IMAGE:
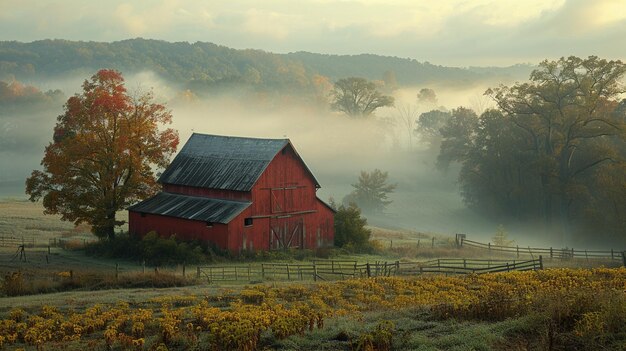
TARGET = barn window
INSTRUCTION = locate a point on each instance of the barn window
(209, 224)
(247, 222)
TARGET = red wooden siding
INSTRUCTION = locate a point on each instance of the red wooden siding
(285, 212)
(141, 224)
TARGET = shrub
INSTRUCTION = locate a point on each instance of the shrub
(350, 228)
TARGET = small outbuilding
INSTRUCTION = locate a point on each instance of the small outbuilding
(238, 194)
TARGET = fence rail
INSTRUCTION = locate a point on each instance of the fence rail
(562, 253)
(333, 270)
(16, 241)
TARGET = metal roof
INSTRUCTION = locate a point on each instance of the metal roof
(191, 207)
(222, 162)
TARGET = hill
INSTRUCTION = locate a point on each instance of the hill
(205, 65)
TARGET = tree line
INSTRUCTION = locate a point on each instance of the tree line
(553, 150)
(204, 66)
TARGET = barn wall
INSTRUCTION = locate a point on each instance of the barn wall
(214, 193)
(285, 171)
(183, 228)
(248, 238)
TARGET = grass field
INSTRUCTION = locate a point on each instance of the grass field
(556, 309)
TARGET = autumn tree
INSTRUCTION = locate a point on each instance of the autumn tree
(358, 97)
(106, 147)
(371, 191)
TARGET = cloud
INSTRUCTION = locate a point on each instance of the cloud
(458, 32)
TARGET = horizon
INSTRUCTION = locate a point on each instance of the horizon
(483, 33)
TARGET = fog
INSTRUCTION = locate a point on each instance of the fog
(336, 148)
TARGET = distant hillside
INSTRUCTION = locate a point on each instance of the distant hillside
(208, 66)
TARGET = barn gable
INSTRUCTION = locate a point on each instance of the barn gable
(222, 162)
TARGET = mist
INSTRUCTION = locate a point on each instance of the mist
(335, 147)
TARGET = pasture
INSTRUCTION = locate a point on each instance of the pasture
(110, 304)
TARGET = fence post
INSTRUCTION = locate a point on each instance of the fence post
(551, 252)
(314, 272)
(262, 271)
(433, 244)
(197, 271)
(489, 244)
(540, 262)
(572, 252)
(288, 275)
(183, 269)
(517, 251)
(418, 243)
(397, 268)
(49, 250)
(390, 243)
(611, 254)
(464, 263)
(369, 270)
(624, 258)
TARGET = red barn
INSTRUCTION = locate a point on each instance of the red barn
(239, 194)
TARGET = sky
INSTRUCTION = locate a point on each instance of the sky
(445, 32)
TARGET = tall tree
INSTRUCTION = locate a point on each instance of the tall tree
(358, 97)
(371, 191)
(566, 110)
(106, 147)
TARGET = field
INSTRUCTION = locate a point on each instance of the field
(105, 304)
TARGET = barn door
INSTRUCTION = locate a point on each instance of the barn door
(286, 233)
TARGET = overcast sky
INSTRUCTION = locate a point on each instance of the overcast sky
(447, 32)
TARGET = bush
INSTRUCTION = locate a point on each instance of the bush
(153, 249)
(350, 228)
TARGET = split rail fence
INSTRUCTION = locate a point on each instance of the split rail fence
(552, 253)
(335, 270)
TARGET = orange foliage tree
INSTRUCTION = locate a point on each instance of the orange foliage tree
(106, 147)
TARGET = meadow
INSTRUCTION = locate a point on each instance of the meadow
(66, 300)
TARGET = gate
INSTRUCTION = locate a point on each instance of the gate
(287, 232)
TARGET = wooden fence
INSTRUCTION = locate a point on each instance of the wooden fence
(551, 252)
(16, 241)
(334, 270)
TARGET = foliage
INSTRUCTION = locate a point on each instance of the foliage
(501, 237)
(427, 96)
(358, 97)
(350, 227)
(554, 149)
(371, 192)
(102, 159)
(152, 248)
(429, 126)
(551, 309)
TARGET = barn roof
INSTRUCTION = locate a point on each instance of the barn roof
(191, 207)
(223, 162)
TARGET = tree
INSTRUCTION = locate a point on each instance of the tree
(427, 97)
(371, 192)
(406, 114)
(350, 227)
(429, 126)
(358, 97)
(106, 147)
(457, 136)
(566, 112)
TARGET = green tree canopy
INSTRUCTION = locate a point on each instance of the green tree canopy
(350, 227)
(371, 192)
(358, 97)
